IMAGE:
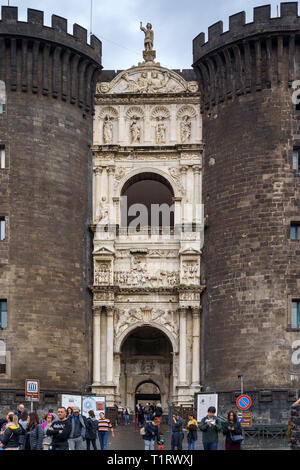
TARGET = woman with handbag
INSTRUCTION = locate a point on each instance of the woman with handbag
(233, 432)
(192, 428)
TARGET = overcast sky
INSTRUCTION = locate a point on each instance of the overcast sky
(116, 23)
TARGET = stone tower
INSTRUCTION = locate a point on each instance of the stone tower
(251, 198)
(48, 79)
(147, 148)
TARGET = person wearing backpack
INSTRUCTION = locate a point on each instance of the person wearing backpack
(36, 432)
(23, 423)
(9, 438)
(91, 430)
(192, 428)
(232, 429)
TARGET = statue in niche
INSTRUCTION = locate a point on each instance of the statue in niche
(185, 129)
(160, 131)
(103, 211)
(135, 131)
(107, 130)
(149, 36)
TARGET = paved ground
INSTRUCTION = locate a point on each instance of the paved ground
(127, 438)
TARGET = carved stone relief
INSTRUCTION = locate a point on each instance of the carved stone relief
(126, 317)
(102, 273)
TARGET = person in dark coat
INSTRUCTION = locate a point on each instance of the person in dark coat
(36, 432)
(151, 434)
(192, 428)
(10, 438)
(91, 430)
(19, 411)
(232, 428)
(177, 433)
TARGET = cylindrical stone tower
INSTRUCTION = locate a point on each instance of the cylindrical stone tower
(45, 200)
(251, 197)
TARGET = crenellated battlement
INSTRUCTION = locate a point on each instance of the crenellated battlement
(249, 57)
(57, 33)
(47, 60)
(239, 29)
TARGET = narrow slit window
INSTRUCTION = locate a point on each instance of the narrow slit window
(3, 313)
(2, 228)
(296, 160)
(2, 357)
(295, 231)
(296, 314)
(2, 158)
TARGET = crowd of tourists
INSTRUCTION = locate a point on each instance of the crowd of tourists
(149, 420)
(66, 430)
(70, 430)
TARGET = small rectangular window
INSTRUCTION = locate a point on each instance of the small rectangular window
(296, 160)
(2, 158)
(295, 231)
(296, 314)
(2, 228)
(2, 357)
(3, 313)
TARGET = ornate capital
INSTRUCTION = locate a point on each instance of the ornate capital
(197, 169)
(97, 309)
(98, 170)
(184, 169)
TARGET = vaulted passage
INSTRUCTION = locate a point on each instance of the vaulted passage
(146, 367)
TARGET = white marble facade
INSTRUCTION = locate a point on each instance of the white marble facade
(147, 121)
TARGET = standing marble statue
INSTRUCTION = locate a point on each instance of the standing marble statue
(185, 129)
(107, 130)
(149, 36)
(135, 131)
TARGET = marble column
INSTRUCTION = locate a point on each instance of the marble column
(96, 345)
(197, 189)
(111, 215)
(182, 346)
(96, 191)
(196, 346)
(109, 345)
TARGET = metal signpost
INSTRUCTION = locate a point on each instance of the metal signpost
(32, 391)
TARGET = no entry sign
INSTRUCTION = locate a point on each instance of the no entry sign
(244, 402)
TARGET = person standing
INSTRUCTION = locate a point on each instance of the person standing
(36, 432)
(233, 432)
(47, 440)
(210, 427)
(147, 412)
(177, 433)
(23, 423)
(19, 411)
(126, 413)
(10, 437)
(140, 416)
(70, 412)
(91, 430)
(151, 434)
(60, 430)
(192, 436)
(158, 411)
(104, 425)
(78, 430)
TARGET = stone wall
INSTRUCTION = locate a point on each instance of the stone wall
(46, 128)
(251, 195)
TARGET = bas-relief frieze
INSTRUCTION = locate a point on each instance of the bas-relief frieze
(128, 316)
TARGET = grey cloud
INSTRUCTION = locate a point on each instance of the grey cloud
(116, 23)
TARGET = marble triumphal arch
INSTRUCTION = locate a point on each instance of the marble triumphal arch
(147, 224)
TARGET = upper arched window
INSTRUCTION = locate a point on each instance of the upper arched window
(149, 202)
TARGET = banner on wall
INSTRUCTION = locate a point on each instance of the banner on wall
(96, 404)
(204, 401)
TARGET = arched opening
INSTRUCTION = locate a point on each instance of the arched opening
(149, 202)
(146, 367)
(147, 391)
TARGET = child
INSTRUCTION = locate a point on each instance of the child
(161, 442)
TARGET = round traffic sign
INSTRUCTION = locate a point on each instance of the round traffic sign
(244, 402)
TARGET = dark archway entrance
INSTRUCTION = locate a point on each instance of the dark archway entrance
(147, 391)
(146, 361)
